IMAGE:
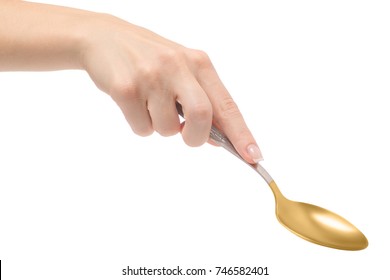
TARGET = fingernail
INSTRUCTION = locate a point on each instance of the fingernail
(254, 153)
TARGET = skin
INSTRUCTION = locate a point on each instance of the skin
(144, 73)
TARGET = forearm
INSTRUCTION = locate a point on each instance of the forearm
(40, 37)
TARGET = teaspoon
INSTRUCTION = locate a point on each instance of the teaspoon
(308, 221)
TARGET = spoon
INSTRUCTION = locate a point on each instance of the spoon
(308, 221)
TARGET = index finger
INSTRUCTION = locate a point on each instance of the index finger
(227, 116)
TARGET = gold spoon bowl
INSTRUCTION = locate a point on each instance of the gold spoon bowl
(317, 225)
(310, 222)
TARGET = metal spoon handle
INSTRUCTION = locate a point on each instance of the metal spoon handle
(222, 140)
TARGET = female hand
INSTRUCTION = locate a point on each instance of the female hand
(144, 73)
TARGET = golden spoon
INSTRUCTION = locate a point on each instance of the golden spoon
(310, 222)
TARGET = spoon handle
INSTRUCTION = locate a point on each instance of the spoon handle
(222, 140)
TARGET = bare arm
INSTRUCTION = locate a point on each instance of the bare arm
(40, 37)
(143, 72)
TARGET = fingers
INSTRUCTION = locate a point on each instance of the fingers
(136, 114)
(162, 110)
(133, 105)
(146, 74)
(230, 120)
(197, 110)
(153, 108)
(227, 116)
(204, 101)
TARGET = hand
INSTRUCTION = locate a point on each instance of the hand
(146, 74)
(143, 72)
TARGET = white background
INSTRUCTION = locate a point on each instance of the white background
(81, 197)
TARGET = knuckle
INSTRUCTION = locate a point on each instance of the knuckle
(229, 109)
(195, 140)
(168, 60)
(154, 72)
(166, 132)
(191, 143)
(149, 73)
(168, 56)
(200, 113)
(143, 131)
(123, 90)
(200, 58)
